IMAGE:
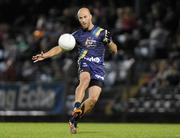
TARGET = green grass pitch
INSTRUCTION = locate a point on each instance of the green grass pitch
(89, 130)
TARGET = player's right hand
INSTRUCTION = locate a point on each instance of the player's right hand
(38, 57)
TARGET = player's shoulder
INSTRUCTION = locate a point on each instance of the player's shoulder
(101, 28)
(98, 28)
(101, 32)
(97, 31)
(76, 32)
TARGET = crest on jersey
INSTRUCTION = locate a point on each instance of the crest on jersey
(90, 42)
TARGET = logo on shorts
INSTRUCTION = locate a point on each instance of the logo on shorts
(84, 64)
(99, 77)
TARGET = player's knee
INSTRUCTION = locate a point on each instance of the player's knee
(84, 81)
(84, 78)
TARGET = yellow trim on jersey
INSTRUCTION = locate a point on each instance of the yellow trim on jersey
(84, 53)
(98, 31)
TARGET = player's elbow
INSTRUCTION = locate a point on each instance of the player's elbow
(113, 47)
(115, 51)
(57, 50)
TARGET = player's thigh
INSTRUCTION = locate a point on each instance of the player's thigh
(84, 77)
(94, 92)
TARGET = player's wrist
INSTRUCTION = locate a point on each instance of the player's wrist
(45, 55)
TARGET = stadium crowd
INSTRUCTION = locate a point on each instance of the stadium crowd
(148, 40)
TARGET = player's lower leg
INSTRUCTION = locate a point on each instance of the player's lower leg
(79, 95)
(80, 92)
(87, 106)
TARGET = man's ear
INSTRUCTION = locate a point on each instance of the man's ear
(90, 16)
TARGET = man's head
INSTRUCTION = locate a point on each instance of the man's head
(85, 18)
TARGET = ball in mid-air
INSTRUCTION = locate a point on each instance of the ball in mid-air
(67, 41)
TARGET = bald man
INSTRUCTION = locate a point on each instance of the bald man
(91, 43)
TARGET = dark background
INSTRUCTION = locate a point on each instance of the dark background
(142, 82)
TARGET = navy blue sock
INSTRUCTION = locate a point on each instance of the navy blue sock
(72, 119)
(77, 105)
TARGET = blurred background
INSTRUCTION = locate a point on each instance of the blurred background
(142, 83)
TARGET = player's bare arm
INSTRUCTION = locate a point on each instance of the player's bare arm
(113, 47)
(52, 52)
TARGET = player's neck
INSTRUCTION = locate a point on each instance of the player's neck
(90, 27)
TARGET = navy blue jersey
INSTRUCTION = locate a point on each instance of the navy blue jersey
(91, 48)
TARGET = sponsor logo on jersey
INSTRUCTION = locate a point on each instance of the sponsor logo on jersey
(93, 59)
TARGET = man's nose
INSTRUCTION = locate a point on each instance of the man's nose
(83, 20)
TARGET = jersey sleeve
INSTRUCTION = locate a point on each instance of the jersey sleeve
(76, 35)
